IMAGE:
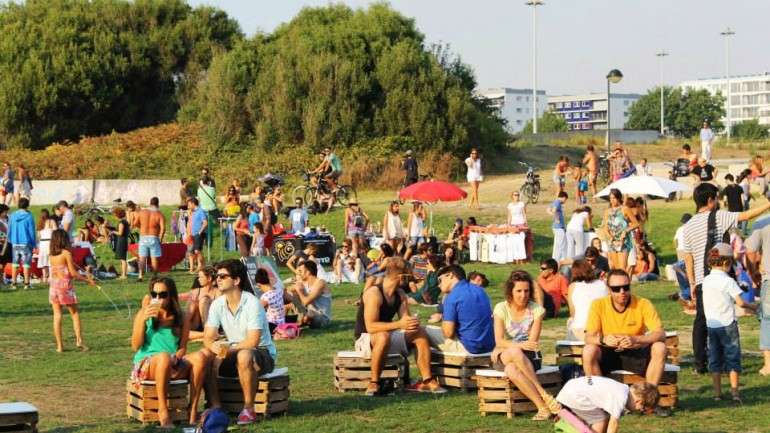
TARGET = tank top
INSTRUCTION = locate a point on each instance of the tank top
(395, 226)
(161, 340)
(583, 294)
(386, 314)
(356, 222)
(415, 231)
(517, 217)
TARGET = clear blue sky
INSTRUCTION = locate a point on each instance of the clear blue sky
(578, 40)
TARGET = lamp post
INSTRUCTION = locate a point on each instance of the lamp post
(661, 55)
(727, 33)
(613, 77)
(534, 4)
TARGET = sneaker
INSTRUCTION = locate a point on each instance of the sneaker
(26, 287)
(372, 389)
(247, 416)
(430, 386)
(662, 412)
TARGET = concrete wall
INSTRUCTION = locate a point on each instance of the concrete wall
(626, 136)
(104, 191)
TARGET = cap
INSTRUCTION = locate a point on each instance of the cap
(723, 249)
(408, 152)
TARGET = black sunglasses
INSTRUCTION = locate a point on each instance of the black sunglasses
(543, 269)
(161, 295)
(223, 276)
(624, 287)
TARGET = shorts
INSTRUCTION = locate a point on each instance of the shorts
(198, 242)
(633, 360)
(414, 241)
(535, 358)
(559, 180)
(141, 370)
(149, 246)
(22, 255)
(583, 186)
(261, 357)
(591, 417)
(724, 349)
(397, 344)
(334, 175)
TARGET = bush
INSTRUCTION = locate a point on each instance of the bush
(750, 130)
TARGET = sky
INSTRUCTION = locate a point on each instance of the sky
(579, 41)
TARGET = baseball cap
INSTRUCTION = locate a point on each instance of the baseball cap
(723, 249)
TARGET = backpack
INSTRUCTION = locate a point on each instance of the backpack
(358, 221)
(286, 331)
(712, 238)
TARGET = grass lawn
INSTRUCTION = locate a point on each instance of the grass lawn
(84, 392)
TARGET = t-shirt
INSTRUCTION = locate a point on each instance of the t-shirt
(254, 218)
(68, 218)
(468, 306)
(719, 292)
(556, 287)
(198, 216)
(679, 238)
(734, 194)
(298, 218)
(695, 236)
(596, 395)
(639, 317)
(275, 312)
(705, 173)
(756, 243)
(249, 316)
(577, 222)
(518, 330)
(601, 265)
(558, 214)
(410, 166)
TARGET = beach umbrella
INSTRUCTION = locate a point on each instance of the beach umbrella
(432, 191)
(645, 185)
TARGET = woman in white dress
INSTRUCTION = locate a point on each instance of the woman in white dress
(517, 217)
(393, 227)
(415, 226)
(585, 287)
(46, 225)
(474, 177)
(576, 227)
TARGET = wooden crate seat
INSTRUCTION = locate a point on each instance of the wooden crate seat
(497, 394)
(142, 400)
(571, 352)
(668, 387)
(18, 417)
(271, 398)
(353, 371)
(456, 369)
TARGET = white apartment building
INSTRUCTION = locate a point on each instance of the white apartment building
(589, 111)
(515, 105)
(749, 99)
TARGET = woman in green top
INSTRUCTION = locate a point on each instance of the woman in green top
(518, 321)
(159, 338)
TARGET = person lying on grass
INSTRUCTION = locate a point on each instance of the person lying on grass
(159, 338)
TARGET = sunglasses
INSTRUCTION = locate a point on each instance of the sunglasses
(161, 295)
(624, 287)
(223, 276)
(543, 269)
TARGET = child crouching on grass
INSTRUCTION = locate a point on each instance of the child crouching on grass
(720, 295)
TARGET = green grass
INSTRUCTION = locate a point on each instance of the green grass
(83, 392)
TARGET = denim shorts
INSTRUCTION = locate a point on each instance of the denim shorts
(724, 349)
(149, 246)
(22, 255)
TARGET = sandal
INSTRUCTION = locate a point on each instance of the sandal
(554, 407)
(542, 415)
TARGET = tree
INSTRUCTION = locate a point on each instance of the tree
(70, 68)
(347, 78)
(750, 130)
(685, 111)
(549, 122)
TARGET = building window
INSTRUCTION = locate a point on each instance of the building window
(568, 116)
(567, 105)
(625, 114)
(625, 102)
(518, 122)
(518, 110)
(518, 98)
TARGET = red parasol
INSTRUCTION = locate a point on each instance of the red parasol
(432, 191)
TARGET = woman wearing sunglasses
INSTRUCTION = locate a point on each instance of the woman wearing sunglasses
(159, 337)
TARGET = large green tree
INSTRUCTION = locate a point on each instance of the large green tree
(343, 77)
(548, 122)
(685, 111)
(70, 68)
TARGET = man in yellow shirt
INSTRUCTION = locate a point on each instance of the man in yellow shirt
(624, 332)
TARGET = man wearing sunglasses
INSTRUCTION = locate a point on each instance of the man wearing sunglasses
(249, 350)
(624, 332)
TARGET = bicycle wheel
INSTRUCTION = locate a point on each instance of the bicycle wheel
(299, 192)
(525, 192)
(311, 195)
(345, 194)
(535, 194)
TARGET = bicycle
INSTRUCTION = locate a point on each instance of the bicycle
(92, 209)
(312, 191)
(531, 187)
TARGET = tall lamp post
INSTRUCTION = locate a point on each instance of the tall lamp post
(727, 33)
(534, 4)
(613, 77)
(661, 55)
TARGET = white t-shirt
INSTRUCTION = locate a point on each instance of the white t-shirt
(577, 222)
(596, 395)
(583, 294)
(679, 238)
(68, 218)
(719, 292)
(516, 214)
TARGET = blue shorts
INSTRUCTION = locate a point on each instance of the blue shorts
(724, 349)
(22, 255)
(149, 246)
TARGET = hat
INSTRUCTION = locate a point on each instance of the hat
(409, 152)
(723, 249)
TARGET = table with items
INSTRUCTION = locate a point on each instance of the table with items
(500, 244)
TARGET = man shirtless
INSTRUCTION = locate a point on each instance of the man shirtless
(152, 227)
(591, 163)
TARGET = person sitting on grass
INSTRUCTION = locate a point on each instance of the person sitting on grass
(466, 325)
(624, 332)
(720, 295)
(518, 322)
(376, 267)
(584, 289)
(378, 335)
(426, 291)
(553, 287)
(272, 298)
(248, 351)
(203, 292)
(311, 297)
(600, 402)
(347, 265)
(159, 338)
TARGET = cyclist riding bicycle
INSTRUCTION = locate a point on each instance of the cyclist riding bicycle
(330, 168)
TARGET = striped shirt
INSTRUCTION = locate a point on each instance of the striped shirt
(695, 236)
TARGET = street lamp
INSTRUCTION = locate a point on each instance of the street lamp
(727, 33)
(534, 4)
(614, 77)
(661, 55)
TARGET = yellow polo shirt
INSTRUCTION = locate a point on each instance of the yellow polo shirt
(639, 317)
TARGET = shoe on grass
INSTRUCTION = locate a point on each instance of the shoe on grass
(372, 389)
(431, 385)
(247, 416)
